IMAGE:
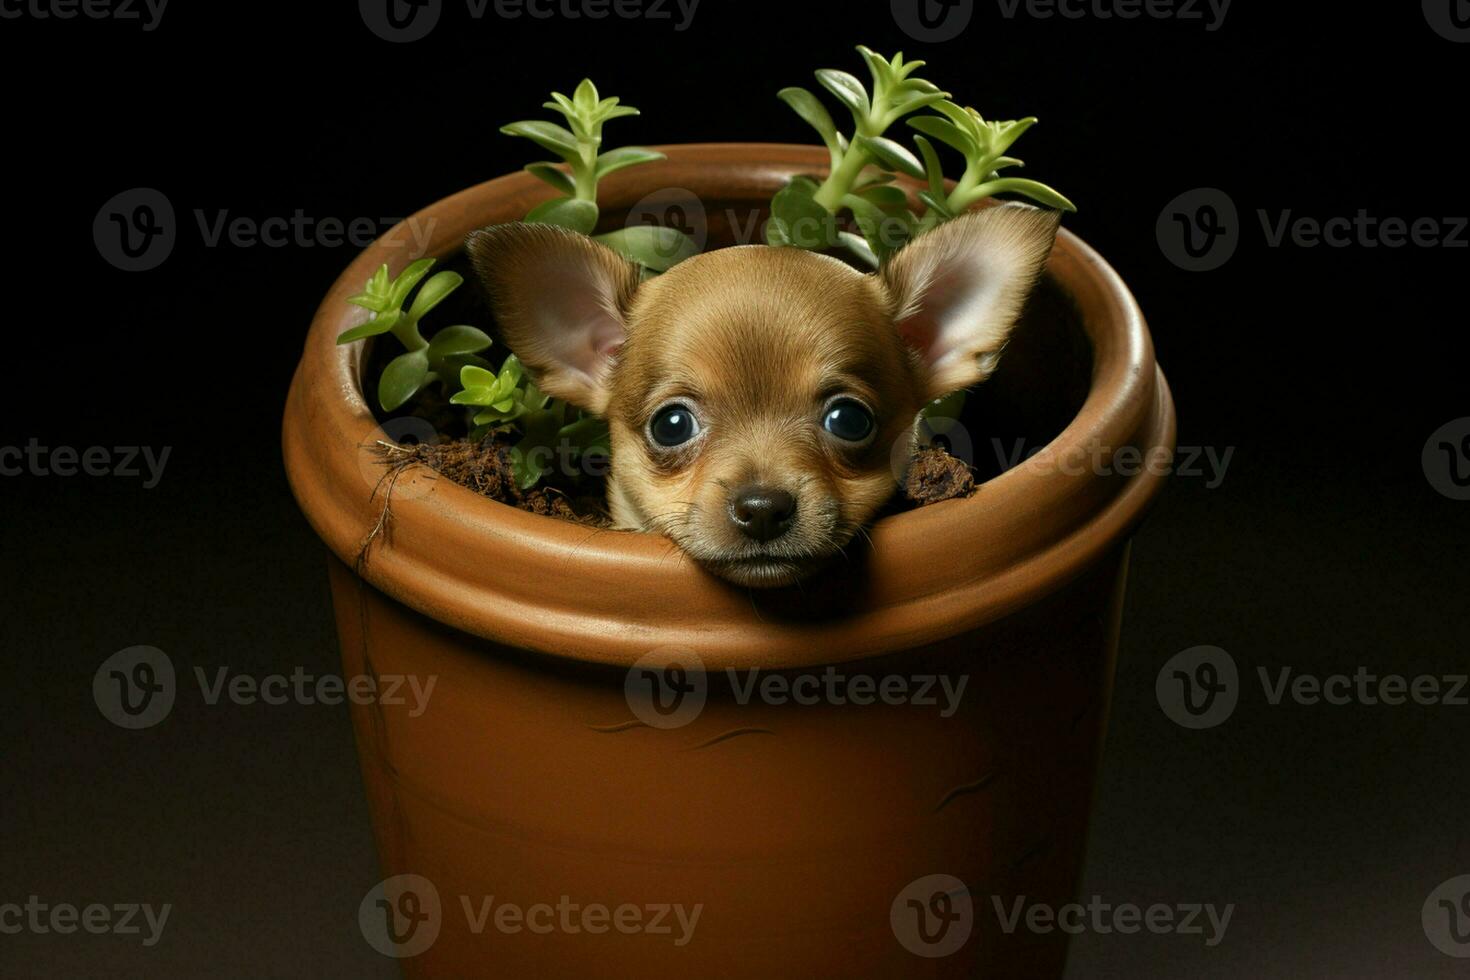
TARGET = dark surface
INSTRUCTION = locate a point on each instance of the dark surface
(1325, 369)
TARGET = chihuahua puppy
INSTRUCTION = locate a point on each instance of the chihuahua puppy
(756, 396)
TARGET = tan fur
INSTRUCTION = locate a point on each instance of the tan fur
(1017, 240)
(516, 263)
(756, 340)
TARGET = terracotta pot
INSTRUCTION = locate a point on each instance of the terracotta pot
(799, 829)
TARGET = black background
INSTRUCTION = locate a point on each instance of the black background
(1325, 369)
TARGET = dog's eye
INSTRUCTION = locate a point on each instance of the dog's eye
(848, 420)
(673, 425)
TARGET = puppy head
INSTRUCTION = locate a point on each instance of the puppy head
(755, 395)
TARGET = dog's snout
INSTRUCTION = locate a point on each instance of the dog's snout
(763, 513)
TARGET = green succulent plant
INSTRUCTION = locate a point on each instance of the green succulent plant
(510, 401)
(505, 400)
(583, 164)
(424, 362)
(805, 212)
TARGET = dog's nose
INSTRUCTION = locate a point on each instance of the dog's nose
(763, 513)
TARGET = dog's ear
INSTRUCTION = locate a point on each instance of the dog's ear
(958, 290)
(560, 300)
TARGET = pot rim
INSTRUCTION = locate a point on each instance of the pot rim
(612, 597)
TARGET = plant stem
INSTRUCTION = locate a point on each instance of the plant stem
(585, 176)
(407, 332)
(961, 197)
(840, 181)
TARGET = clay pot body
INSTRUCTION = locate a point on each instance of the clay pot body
(798, 825)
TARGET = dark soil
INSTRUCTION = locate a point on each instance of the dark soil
(485, 467)
(935, 475)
